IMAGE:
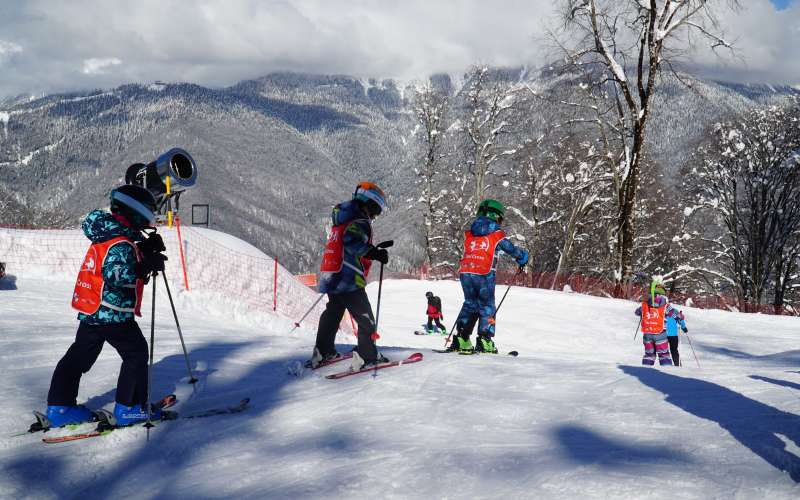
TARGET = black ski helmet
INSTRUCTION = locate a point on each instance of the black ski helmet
(135, 203)
(429, 294)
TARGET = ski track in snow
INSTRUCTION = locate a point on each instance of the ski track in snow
(575, 416)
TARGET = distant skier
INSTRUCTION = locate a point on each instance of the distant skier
(344, 270)
(672, 335)
(108, 293)
(653, 312)
(434, 313)
(477, 276)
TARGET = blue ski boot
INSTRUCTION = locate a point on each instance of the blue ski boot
(59, 416)
(129, 415)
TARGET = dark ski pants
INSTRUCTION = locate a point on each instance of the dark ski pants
(438, 324)
(357, 304)
(673, 349)
(129, 342)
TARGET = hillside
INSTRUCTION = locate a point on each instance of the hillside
(575, 416)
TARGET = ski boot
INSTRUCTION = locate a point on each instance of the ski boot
(485, 345)
(317, 358)
(59, 416)
(129, 415)
(358, 363)
(461, 344)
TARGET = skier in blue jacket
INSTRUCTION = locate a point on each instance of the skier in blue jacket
(477, 276)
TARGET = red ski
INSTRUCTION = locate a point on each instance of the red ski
(417, 356)
(323, 364)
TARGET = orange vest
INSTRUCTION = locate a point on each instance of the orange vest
(653, 318)
(88, 295)
(333, 255)
(479, 252)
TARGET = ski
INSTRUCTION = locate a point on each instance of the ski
(421, 332)
(42, 424)
(470, 353)
(417, 356)
(329, 362)
(102, 430)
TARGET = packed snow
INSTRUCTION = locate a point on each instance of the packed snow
(574, 416)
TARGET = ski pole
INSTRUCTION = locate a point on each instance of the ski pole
(376, 336)
(507, 290)
(297, 324)
(450, 335)
(192, 379)
(383, 244)
(637, 329)
(149, 424)
(690, 345)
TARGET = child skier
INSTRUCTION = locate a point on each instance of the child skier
(108, 293)
(477, 276)
(344, 270)
(434, 313)
(653, 312)
(672, 336)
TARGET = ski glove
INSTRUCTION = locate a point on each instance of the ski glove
(151, 263)
(153, 244)
(523, 259)
(683, 327)
(379, 254)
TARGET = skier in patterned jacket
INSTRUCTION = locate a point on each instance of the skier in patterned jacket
(346, 262)
(477, 276)
(653, 312)
(108, 295)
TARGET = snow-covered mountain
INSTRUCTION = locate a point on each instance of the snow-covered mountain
(574, 416)
(274, 153)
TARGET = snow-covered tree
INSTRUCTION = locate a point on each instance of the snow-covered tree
(622, 46)
(746, 181)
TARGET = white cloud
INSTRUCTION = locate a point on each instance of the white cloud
(68, 45)
(8, 48)
(99, 66)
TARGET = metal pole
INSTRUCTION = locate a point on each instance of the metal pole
(149, 424)
(192, 379)
(690, 345)
(297, 324)
(637, 328)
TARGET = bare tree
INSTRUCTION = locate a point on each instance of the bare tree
(623, 45)
(430, 108)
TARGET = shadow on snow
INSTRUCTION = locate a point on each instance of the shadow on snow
(170, 449)
(752, 423)
(585, 447)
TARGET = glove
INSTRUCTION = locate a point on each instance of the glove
(523, 259)
(684, 329)
(151, 263)
(153, 244)
(379, 254)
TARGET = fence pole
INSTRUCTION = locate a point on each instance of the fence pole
(180, 247)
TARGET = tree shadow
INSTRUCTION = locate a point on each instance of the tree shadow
(9, 282)
(584, 446)
(175, 445)
(784, 383)
(752, 423)
(778, 358)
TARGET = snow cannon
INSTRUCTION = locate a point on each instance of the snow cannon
(167, 177)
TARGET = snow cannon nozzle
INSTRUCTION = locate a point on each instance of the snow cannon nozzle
(385, 244)
(167, 177)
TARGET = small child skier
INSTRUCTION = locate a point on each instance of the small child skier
(653, 312)
(108, 296)
(434, 313)
(672, 336)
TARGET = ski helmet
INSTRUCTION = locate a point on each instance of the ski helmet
(656, 288)
(136, 203)
(372, 196)
(492, 209)
(429, 294)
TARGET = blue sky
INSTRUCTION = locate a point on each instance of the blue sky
(781, 4)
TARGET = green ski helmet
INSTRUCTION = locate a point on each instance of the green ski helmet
(656, 287)
(492, 209)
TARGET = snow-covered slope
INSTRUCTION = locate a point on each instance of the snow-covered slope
(575, 416)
